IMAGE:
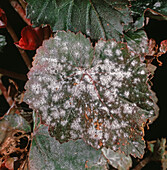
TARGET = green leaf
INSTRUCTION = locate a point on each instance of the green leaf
(95, 18)
(2, 42)
(47, 153)
(117, 159)
(137, 41)
(99, 94)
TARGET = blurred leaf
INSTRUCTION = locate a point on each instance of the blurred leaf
(151, 68)
(137, 41)
(95, 18)
(160, 6)
(99, 94)
(16, 121)
(14, 140)
(148, 8)
(157, 149)
(47, 153)
(117, 159)
(3, 19)
(2, 42)
(138, 23)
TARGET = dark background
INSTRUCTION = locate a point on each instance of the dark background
(10, 59)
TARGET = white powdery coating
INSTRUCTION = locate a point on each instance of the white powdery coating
(76, 124)
(134, 63)
(36, 88)
(118, 52)
(126, 94)
(94, 133)
(142, 72)
(64, 122)
(108, 52)
(128, 109)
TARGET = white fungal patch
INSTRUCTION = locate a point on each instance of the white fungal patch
(73, 135)
(126, 94)
(55, 114)
(113, 44)
(108, 52)
(107, 61)
(136, 80)
(62, 112)
(157, 4)
(100, 45)
(63, 123)
(105, 109)
(55, 97)
(94, 133)
(115, 125)
(48, 120)
(142, 72)
(36, 88)
(125, 135)
(118, 52)
(62, 137)
(149, 103)
(114, 147)
(134, 63)
(76, 124)
(128, 109)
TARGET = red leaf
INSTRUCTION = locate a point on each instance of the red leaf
(20, 11)
(163, 46)
(3, 19)
(32, 38)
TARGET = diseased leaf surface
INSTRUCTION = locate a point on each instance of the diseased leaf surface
(47, 153)
(99, 94)
(137, 41)
(95, 18)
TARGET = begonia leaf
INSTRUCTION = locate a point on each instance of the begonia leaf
(95, 18)
(47, 153)
(137, 41)
(32, 38)
(117, 159)
(96, 93)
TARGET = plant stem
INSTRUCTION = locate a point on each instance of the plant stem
(22, 52)
(23, 4)
(13, 74)
(5, 94)
(143, 163)
(20, 10)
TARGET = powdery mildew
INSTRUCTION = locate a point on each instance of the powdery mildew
(98, 94)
